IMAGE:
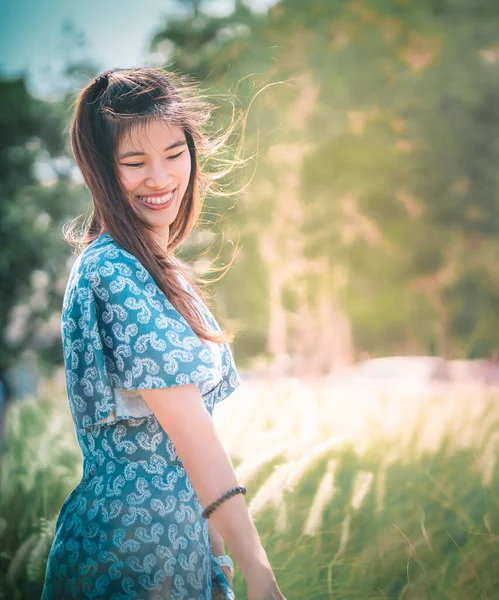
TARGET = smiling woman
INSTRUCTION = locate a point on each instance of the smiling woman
(146, 363)
(137, 135)
(154, 167)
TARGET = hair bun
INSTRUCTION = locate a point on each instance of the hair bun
(99, 84)
(102, 79)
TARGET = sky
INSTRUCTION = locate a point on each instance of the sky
(116, 32)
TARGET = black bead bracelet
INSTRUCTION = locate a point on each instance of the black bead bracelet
(237, 490)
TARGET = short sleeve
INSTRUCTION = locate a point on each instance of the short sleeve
(121, 334)
(146, 342)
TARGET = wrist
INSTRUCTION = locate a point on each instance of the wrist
(258, 570)
(264, 589)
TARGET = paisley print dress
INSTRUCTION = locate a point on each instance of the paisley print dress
(132, 528)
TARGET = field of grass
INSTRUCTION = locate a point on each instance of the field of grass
(355, 495)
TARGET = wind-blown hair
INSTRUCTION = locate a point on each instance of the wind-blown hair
(105, 111)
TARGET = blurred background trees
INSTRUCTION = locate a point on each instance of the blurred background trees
(36, 198)
(374, 201)
(369, 222)
(40, 190)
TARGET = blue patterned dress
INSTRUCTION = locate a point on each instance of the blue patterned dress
(132, 528)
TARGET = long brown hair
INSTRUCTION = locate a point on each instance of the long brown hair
(107, 109)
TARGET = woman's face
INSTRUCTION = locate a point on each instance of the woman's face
(154, 166)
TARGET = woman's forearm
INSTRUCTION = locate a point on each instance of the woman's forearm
(211, 473)
(183, 415)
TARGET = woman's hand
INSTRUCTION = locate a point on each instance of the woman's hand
(263, 589)
(268, 595)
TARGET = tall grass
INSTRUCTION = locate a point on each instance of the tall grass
(394, 498)
(40, 463)
(355, 495)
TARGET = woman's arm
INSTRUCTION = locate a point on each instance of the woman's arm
(218, 548)
(183, 415)
(217, 542)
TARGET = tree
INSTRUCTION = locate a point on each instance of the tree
(393, 169)
(32, 254)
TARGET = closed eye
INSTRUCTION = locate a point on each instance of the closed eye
(176, 155)
(135, 165)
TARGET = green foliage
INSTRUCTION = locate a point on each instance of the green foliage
(395, 108)
(39, 462)
(31, 216)
(369, 153)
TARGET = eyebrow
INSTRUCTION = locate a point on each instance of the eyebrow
(136, 153)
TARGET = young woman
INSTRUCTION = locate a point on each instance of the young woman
(145, 364)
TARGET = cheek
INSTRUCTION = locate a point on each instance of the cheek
(127, 180)
(185, 169)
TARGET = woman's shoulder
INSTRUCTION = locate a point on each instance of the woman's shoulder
(105, 258)
(100, 267)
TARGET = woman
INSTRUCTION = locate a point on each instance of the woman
(145, 364)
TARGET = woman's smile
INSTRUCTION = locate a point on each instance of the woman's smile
(157, 201)
(154, 166)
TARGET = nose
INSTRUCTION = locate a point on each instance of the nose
(158, 176)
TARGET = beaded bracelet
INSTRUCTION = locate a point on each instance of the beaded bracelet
(237, 490)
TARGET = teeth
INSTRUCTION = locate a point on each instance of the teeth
(161, 200)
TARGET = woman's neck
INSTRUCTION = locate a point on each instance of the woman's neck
(159, 238)
(162, 240)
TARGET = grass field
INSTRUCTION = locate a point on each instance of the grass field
(355, 495)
